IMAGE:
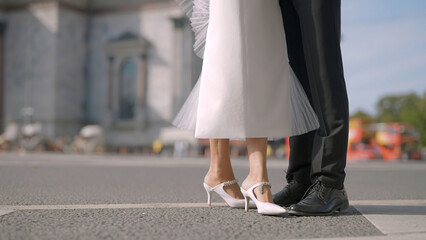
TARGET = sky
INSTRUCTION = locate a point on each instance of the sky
(384, 49)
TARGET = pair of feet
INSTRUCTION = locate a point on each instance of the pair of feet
(235, 191)
(302, 200)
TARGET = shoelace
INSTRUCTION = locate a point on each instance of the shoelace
(316, 187)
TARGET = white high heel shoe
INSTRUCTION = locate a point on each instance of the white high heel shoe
(265, 208)
(232, 202)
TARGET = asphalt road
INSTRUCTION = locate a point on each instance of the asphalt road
(66, 197)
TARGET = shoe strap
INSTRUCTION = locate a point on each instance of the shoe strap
(224, 184)
(227, 183)
(261, 184)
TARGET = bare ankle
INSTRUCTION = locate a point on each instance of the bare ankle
(218, 176)
(256, 178)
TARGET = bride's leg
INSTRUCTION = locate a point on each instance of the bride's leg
(220, 167)
(256, 149)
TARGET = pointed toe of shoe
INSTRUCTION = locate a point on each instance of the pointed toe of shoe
(271, 209)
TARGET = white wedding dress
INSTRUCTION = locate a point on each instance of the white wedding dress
(246, 87)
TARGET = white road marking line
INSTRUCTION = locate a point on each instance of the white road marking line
(420, 202)
(394, 216)
(355, 203)
(409, 236)
(108, 206)
(4, 212)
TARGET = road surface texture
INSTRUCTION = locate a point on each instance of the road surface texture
(55, 196)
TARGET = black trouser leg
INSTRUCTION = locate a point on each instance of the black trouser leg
(313, 31)
(301, 146)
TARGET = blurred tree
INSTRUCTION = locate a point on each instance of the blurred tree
(388, 109)
(363, 115)
(409, 108)
(421, 125)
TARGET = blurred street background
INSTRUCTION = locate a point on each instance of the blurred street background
(88, 90)
(91, 76)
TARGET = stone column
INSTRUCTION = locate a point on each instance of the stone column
(115, 107)
(141, 112)
(109, 117)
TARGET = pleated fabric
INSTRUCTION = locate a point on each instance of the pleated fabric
(303, 117)
(198, 14)
(187, 115)
(246, 88)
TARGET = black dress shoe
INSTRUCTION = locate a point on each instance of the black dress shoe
(290, 194)
(320, 200)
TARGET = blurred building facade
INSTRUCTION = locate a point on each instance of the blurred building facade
(126, 65)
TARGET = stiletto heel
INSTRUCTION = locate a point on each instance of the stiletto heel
(265, 208)
(246, 199)
(232, 202)
(209, 195)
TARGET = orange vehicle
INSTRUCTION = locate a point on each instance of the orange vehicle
(387, 141)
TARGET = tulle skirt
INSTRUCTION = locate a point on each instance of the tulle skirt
(246, 87)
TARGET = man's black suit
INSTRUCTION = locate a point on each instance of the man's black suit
(313, 40)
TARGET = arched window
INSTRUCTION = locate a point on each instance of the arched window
(128, 88)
